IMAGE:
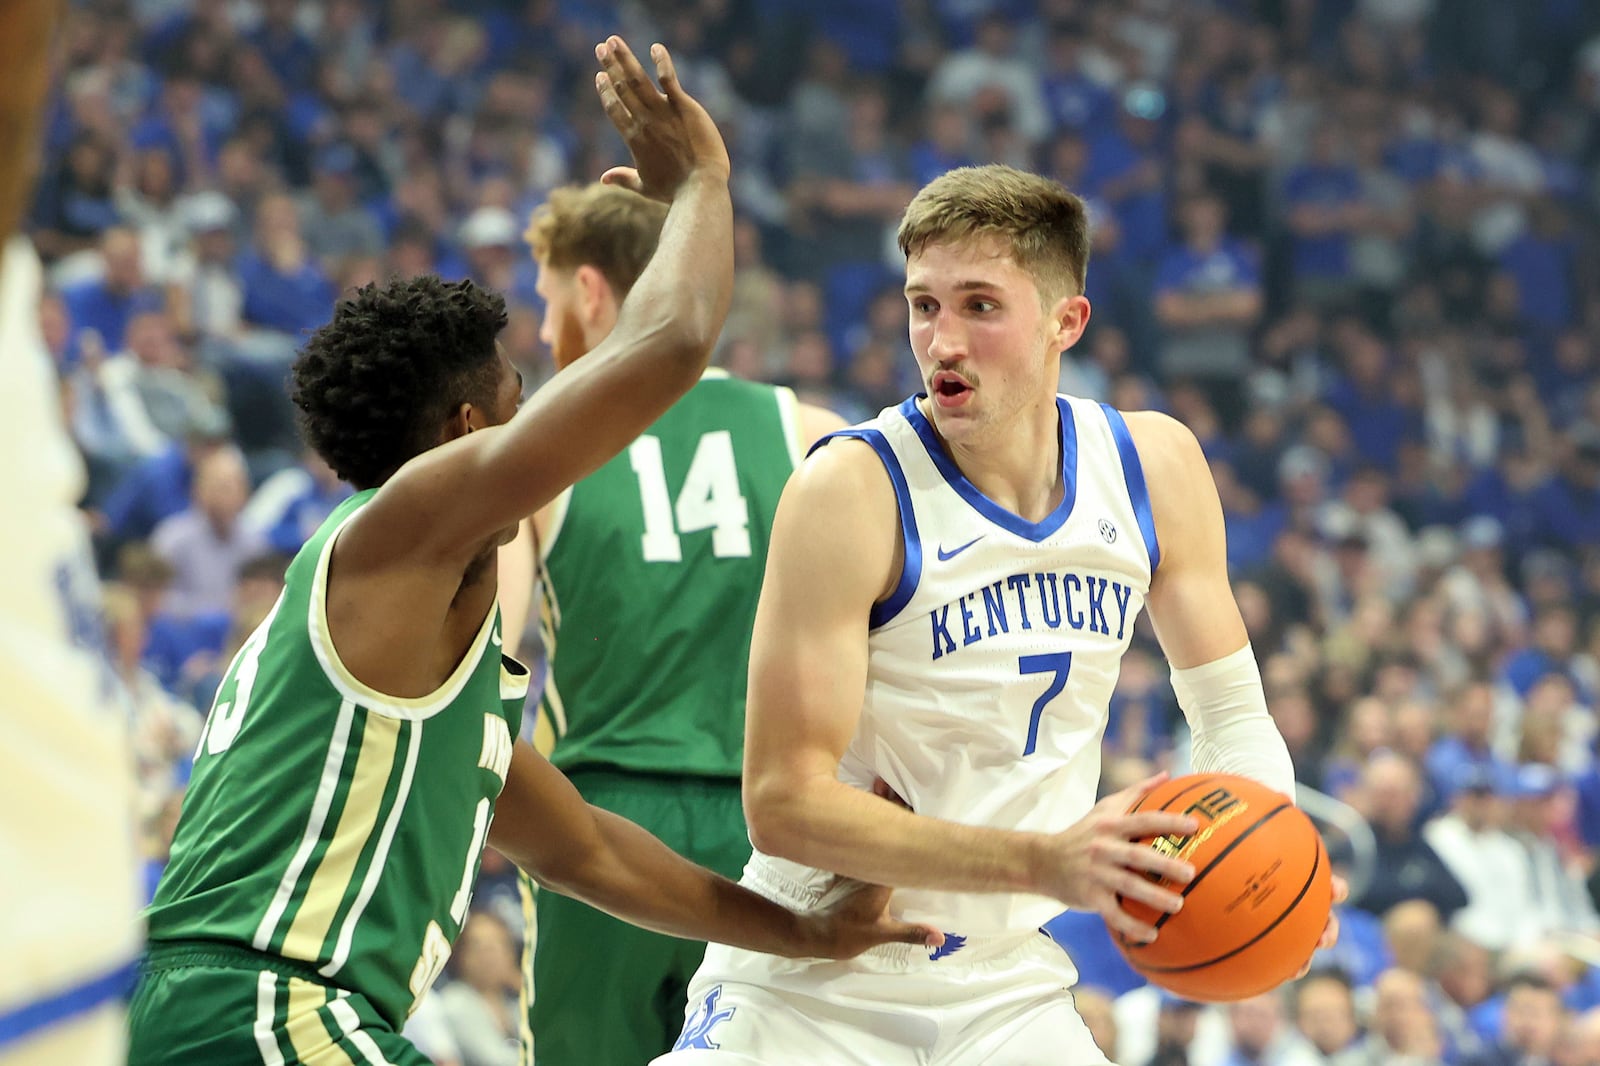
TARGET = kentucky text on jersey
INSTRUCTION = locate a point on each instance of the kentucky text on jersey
(1033, 601)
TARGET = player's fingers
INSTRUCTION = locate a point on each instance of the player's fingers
(666, 73)
(625, 177)
(633, 85)
(883, 790)
(1125, 925)
(895, 931)
(1152, 824)
(615, 109)
(1132, 886)
(1341, 892)
(1330, 933)
(1140, 859)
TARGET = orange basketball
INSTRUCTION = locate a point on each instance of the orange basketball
(1259, 900)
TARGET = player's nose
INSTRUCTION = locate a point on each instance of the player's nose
(949, 341)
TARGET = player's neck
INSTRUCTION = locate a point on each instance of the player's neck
(1017, 462)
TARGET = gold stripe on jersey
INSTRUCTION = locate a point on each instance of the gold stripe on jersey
(307, 1034)
(331, 769)
(369, 884)
(330, 884)
(551, 724)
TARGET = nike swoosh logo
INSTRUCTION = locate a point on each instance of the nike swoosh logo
(946, 556)
(494, 637)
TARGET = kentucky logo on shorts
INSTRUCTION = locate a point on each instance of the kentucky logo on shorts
(706, 1017)
(952, 944)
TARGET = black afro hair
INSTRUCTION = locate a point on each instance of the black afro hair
(373, 387)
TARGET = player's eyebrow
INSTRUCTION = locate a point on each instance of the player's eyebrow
(967, 285)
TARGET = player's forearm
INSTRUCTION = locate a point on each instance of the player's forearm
(825, 823)
(633, 876)
(684, 293)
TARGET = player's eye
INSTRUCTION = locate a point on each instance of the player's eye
(983, 307)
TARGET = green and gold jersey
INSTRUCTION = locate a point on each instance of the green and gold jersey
(651, 570)
(331, 824)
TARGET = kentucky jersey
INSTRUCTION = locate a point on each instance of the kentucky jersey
(992, 663)
(68, 890)
(331, 824)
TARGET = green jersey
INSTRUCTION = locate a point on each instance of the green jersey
(328, 823)
(651, 570)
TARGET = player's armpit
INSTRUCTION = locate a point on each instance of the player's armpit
(1191, 601)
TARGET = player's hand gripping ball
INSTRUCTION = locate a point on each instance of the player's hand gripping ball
(1259, 901)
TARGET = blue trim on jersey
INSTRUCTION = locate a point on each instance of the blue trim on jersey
(911, 572)
(1034, 531)
(24, 1021)
(1133, 477)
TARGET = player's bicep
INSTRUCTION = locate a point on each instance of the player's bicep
(833, 548)
(1191, 600)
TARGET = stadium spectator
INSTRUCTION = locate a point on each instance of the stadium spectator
(480, 1007)
(1488, 863)
(206, 544)
(1389, 795)
(103, 306)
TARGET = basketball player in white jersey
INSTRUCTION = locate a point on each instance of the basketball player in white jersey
(68, 895)
(949, 592)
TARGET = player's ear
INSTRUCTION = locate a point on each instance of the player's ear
(1069, 318)
(464, 418)
(596, 298)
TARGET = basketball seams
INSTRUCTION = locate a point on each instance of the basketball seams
(1200, 874)
(1311, 878)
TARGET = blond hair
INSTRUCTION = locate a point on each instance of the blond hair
(1045, 225)
(603, 226)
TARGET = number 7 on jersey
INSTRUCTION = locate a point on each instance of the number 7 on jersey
(1058, 665)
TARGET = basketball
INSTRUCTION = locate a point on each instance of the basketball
(1259, 900)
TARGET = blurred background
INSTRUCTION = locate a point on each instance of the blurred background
(1350, 243)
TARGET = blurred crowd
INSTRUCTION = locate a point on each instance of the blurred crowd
(1350, 243)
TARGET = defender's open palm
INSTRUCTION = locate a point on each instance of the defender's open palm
(854, 916)
(1099, 860)
(667, 131)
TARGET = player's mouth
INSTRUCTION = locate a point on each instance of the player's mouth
(949, 389)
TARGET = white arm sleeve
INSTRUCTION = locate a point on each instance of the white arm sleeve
(1228, 721)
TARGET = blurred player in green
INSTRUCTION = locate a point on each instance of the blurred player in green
(649, 570)
(361, 742)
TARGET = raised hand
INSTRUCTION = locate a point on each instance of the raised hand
(1099, 859)
(668, 133)
(854, 916)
